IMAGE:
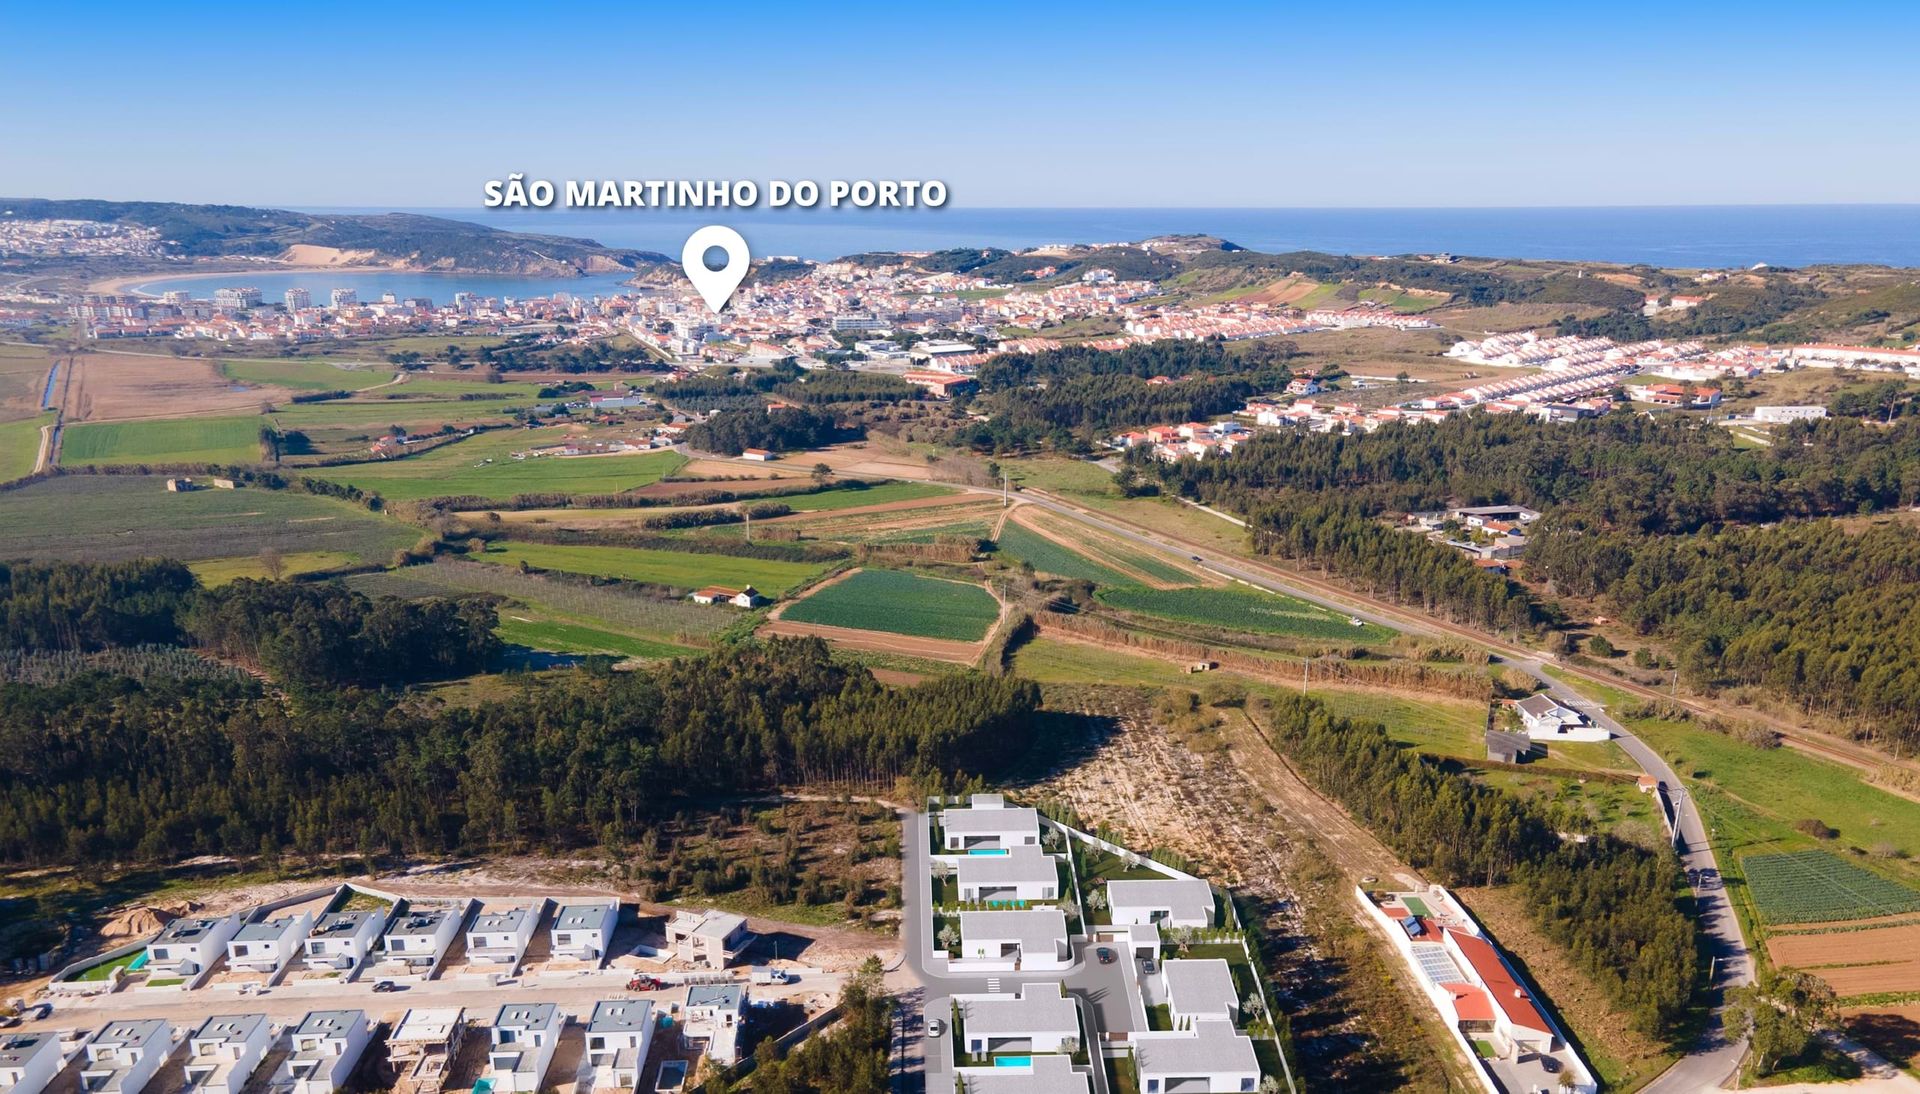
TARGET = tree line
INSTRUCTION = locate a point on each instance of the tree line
(104, 768)
(732, 432)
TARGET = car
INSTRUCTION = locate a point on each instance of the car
(935, 1027)
(1549, 1065)
(1196, 558)
(1146, 966)
(383, 986)
(1105, 955)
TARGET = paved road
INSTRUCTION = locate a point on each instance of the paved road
(1714, 1058)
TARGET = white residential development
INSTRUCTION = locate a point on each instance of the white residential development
(715, 1013)
(1041, 1018)
(711, 938)
(269, 944)
(1034, 939)
(989, 824)
(342, 940)
(29, 1061)
(1022, 873)
(225, 1052)
(500, 936)
(189, 946)
(421, 937)
(326, 1047)
(619, 1035)
(584, 932)
(123, 1056)
(1209, 1058)
(1168, 902)
(524, 1037)
(1199, 991)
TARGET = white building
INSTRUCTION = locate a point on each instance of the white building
(1042, 1074)
(500, 937)
(423, 1047)
(269, 944)
(1209, 1058)
(421, 937)
(1033, 939)
(1546, 719)
(619, 1036)
(123, 1056)
(326, 1047)
(1041, 1018)
(225, 1052)
(713, 938)
(1778, 414)
(342, 940)
(524, 1037)
(29, 1061)
(585, 931)
(1024, 873)
(989, 824)
(189, 946)
(715, 1013)
(1199, 991)
(1168, 902)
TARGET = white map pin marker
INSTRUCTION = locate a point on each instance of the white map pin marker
(715, 286)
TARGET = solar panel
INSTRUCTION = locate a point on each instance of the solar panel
(1437, 965)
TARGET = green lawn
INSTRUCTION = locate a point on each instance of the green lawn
(174, 440)
(306, 375)
(20, 446)
(829, 500)
(1048, 557)
(219, 571)
(901, 603)
(105, 969)
(1243, 609)
(484, 466)
(108, 517)
(561, 636)
(680, 569)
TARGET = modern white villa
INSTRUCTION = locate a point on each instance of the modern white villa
(1199, 991)
(326, 1047)
(1547, 719)
(988, 824)
(524, 1037)
(499, 936)
(1163, 902)
(189, 946)
(1024, 873)
(1209, 1058)
(619, 1036)
(225, 1052)
(1041, 1018)
(29, 1061)
(123, 1056)
(1042, 1074)
(268, 945)
(420, 938)
(1031, 939)
(342, 940)
(716, 1014)
(584, 932)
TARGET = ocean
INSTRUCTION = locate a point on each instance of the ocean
(1676, 236)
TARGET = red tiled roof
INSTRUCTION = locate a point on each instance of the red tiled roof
(1507, 993)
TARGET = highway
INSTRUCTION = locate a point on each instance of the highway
(1715, 1057)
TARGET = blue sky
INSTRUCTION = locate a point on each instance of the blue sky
(1049, 104)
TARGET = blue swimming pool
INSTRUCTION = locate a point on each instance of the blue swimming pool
(483, 1086)
(989, 851)
(1013, 1061)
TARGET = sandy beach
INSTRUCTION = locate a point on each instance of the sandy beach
(126, 283)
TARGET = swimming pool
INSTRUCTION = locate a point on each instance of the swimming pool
(1013, 1061)
(483, 1086)
(989, 851)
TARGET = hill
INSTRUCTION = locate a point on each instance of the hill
(421, 242)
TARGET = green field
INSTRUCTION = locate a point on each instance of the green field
(562, 636)
(20, 446)
(484, 466)
(307, 375)
(218, 571)
(127, 516)
(900, 603)
(1048, 557)
(1818, 886)
(679, 569)
(175, 440)
(886, 493)
(1244, 610)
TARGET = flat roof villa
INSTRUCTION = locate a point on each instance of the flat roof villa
(524, 1038)
(123, 1056)
(1024, 873)
(1168, 902)
(419, 939)
(268, 944)
(619, 1036)
(422, 1048)
(225, 1051)
(585, 932)
(988, 824)
(1041, 1018)
(326, 1048)
(712, 938)
(341, 940)
(1031, 938)
(1199, 991)
(715, 1014)
(1042, 1074)
(499, 936)
(1493, 1017)
(1547, 719)
(29, 1061)
(1210, 1058)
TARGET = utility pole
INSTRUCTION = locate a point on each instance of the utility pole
(748, 515)
(1006, 489)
